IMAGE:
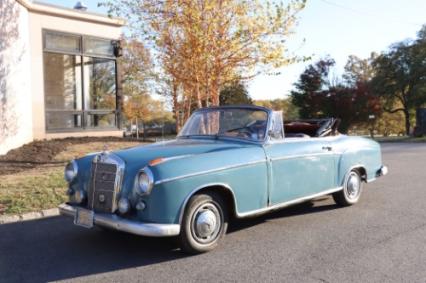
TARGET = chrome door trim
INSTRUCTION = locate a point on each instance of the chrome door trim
(310, 139)
(305, 155)
(257, 211)
(209, 171)
(286, 204)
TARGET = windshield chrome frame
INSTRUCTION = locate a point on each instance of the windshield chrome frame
(247, 107)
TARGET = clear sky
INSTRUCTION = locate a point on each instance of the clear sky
(337, 28)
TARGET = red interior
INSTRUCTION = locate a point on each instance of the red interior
(301, 128)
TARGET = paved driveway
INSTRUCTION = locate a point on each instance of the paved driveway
(381, 239)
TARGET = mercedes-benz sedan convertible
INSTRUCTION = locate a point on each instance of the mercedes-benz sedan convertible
(233, 161)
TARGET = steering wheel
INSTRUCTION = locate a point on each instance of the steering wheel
(244, 131)
(252, 130)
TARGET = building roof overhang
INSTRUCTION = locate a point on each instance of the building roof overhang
(58, 11)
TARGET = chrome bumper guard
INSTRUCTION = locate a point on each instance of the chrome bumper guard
(382, 171)
(118, 223)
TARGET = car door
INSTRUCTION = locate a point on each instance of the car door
(299, 167)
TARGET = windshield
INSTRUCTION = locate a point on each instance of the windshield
(249, 124)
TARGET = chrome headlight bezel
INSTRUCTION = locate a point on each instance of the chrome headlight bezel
(70, 171)
(144, 182)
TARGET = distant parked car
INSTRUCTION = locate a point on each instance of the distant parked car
(151, 130)
(129, 131)
(233, 161)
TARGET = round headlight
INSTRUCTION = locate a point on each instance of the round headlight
(145, 181)
(70, 171)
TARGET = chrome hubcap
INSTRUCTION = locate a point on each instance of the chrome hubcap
(353, 186)
(206, 223)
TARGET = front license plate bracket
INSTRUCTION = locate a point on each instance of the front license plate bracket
(84, 218)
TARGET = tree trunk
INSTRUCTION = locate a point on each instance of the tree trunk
(188, 107)
(198, 95)
(407, 122)
(215, 93)
(144, 131)
(176, 106)
(137, 128)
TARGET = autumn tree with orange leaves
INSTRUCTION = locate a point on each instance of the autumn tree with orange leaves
(203, 45)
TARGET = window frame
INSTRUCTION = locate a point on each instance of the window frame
(83, 111)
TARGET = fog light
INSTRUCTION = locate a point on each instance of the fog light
(79, 196)
(123, 205)
(140, 205)
(70, 191)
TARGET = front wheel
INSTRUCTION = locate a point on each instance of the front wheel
(352, 189)
(204, 223)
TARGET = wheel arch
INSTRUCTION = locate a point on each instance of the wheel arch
(361, 168)
(224, 190)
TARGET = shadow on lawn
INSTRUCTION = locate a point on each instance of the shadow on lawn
(55, 249)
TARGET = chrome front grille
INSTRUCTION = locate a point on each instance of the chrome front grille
(105, 183)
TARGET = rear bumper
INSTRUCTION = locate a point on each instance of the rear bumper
(113, 221)
(382, 171)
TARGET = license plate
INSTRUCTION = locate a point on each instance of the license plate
(84, 217)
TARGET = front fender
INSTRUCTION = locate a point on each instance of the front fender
(244, 170)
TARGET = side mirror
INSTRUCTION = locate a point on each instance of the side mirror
(276, 132)
(275, 135)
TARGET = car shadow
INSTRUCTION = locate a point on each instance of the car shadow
(54, 249)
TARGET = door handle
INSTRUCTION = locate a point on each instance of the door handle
(329, 148)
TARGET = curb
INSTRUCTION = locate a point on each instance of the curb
(6, 219)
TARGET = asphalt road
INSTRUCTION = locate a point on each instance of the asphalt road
(381, 239)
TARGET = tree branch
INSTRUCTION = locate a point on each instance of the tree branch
(394, 110)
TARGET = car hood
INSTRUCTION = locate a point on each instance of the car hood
(139, 156)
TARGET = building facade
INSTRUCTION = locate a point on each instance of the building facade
(58, 73)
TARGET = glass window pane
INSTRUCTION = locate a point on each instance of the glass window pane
(99, 84)
(230, 122)
(100, 120)
(98, 46)
(62, 42)
(62, 82)
(62, 120)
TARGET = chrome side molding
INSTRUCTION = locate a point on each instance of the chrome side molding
(287, 203)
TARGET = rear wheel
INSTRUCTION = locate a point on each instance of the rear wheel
(204, 223)
(352, 189)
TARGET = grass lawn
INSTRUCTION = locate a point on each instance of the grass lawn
(32, 186)
(32, 190)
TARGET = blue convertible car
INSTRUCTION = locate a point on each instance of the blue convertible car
(233, 161)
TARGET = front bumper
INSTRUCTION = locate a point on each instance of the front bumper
(118, 223)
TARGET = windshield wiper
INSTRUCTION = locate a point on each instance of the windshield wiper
(189, 136)
(184, 136)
